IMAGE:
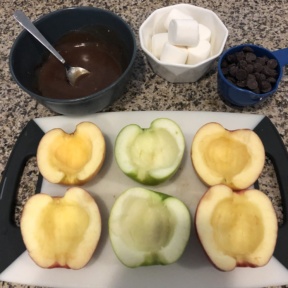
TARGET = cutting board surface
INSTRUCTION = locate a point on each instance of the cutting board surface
(104, 270)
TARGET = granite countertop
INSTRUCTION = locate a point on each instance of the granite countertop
(261, 22)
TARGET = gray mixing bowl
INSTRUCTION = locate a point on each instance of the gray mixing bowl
(27, 55)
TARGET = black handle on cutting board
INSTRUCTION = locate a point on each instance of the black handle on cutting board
(11, 243)
(277, 153)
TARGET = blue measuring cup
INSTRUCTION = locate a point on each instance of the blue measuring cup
(242, 97)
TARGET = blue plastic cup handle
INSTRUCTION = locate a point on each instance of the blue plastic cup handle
(282, 56)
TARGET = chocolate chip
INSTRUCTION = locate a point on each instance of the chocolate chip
(232, 70)
(261, 60)
(231, 79)
(251, 77)
(272, 63)
(258, 67)
(241, 83)
(247, 49)
(240, 55)
(250, 57)
(231, 58)
(243, 64)
(257, 90)
(269, 72)
(260, 76)
(272, 80)
(241, 74)
(265, 86)
(250, 68)
(252, 84)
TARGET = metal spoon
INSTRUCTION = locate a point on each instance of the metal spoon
(72, 73)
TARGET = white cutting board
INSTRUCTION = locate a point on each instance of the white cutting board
(104, 270)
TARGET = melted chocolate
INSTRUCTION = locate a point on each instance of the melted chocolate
(94, 50)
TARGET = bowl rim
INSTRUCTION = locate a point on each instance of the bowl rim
(187, 66)
(90, 96)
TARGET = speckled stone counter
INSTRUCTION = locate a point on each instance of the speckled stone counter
(261, 22)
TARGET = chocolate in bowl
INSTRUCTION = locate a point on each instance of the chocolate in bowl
(96, 49)
(25, 62)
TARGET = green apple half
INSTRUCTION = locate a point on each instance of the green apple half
(236, 228)
(150, 155)
(148, 228)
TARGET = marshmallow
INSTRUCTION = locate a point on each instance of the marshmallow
(183, 32)
(158, 42)
(199, 53)
(158, 24)
(175, 14)
(204, 33)
(174, 54)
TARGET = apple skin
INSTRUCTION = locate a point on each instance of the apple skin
(71, 159)
(236, 228)
(150, 156)
(232, 157)
(147, 228)
(61, 231)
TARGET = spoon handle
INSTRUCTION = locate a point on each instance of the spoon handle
(29, 26)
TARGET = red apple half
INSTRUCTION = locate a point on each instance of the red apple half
(236, 228)
(231, 157)
(61, 231)
(71, 159)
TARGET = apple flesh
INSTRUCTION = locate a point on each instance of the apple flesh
(148, 228)
(61, 231)
(236, 229)
(220, 156)
(151, 155)
(71, 159)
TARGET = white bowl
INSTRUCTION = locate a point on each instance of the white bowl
(177, 73)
